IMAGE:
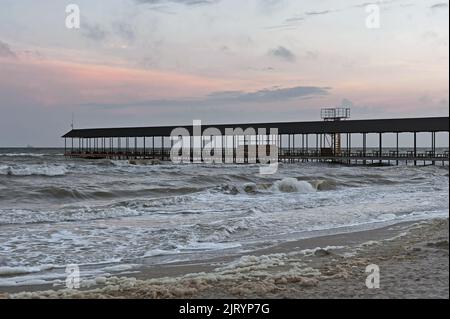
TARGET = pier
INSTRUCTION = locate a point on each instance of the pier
(361, 142)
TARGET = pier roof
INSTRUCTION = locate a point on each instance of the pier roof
(399, 125)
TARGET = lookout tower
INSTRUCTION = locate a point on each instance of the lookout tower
(331, 115)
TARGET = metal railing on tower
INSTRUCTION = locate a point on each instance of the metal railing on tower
(333, 141)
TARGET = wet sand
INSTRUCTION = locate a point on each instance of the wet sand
(413, 259)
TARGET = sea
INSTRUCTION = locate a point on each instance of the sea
(110, 217)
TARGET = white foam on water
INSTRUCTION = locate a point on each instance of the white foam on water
(292, 185)
(21, 216)
(387, 217)
(23, 154)
(19, 270)
(33, 169)
(4, 169)
(120, 268)
(160, 252)
(121, 163)
(209, 246)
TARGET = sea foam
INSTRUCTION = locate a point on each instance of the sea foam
(292, 185)
(33, 169)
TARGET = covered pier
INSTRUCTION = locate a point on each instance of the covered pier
(379, 141)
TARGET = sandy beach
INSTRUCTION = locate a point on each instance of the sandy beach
(413, 259)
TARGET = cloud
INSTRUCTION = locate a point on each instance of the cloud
(347, 103)
(312, 55)
(283, 54)
(437, 6)
(435, 38)
(425, 100)
(99, 33)
(429, 102)
(6, 52)
(444, 103)
(271, 3)
(185, 2)
(294, 19)
(316, 13)
(292, 22)
(229, 98)
(124, 30)
(269, 95)
(93, 31)
(270, 6)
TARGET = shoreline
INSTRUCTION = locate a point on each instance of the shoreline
(412, 256)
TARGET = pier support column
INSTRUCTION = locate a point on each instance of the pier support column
(303, 143)
(289, 146)
(293, 143)
(223, 149)
(380, 150)
(364, 147)
(397, 149)
(349, 148)
(191, 149)
(234, 148)
(350, 144)
(119, 145)
(153, 146)
(317, 144)
(433, 146)
(280, 143)
(415, 148)
(162, 148)
(307, 143)
(246, 149)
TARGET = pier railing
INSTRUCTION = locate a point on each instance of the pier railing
(284, 155)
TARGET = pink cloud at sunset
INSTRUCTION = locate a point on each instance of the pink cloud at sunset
(56, 83)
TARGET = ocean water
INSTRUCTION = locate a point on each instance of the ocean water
(110, 216)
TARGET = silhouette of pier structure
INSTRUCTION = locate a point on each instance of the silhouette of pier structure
(335, 139)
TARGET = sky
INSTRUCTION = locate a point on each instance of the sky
(169, 62)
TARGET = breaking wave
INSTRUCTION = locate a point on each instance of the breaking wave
(33, 169)
(69, 193)
(292, 185)
(286, 185)
(23, 155)
(7, 270)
